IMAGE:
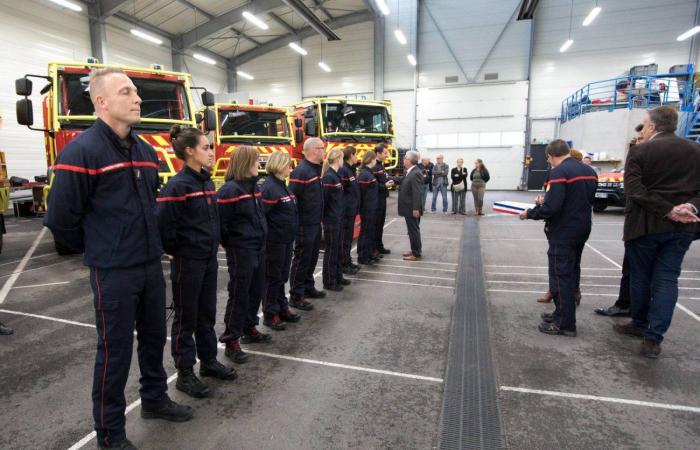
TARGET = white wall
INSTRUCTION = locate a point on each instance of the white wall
(276, 78)
(27, 48)
(481, 121)
(625, 34)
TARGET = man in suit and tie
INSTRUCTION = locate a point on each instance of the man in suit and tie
(411, 204)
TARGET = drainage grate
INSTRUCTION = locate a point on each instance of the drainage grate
(470, 413)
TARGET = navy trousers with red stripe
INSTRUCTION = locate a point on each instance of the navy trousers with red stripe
(332, 262)
(380, 221)
(194, 299)
(366, 243)
(348, 231)
(124, 299)
(306, 249)
(246, 270)
(278, 259)
(564, 258)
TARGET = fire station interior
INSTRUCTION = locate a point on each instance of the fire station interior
(439, 352)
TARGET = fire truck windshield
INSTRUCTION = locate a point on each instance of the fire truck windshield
(253, 123)
(160, 99)
(357, 118)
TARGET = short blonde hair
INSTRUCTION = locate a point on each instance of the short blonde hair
(97, 79)
(239, 165)
(368, 157)
(333, 156)
(277, 163)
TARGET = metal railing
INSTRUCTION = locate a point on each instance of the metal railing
(629, 92)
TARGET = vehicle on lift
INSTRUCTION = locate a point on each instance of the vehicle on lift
(342, 122)
(67, 110)
(267, 128)
(610, 190)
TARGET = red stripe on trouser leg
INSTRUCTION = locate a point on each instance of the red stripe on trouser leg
(182, 319)
(235, 290)
(106, 347)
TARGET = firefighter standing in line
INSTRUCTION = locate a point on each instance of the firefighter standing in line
(103, 202)
(382, 152)
(243, 233)
(369, 192)
(305, 184)
(351, 202)
(567, 209)
(188, 221)
(280, 208)
(332, 222)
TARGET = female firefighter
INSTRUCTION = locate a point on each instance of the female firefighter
(243, 234)
(280, 208)
(332, 222)
(369, 192)
(188, 221)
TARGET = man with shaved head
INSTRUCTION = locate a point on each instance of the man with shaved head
(305, 184)
(102, 203)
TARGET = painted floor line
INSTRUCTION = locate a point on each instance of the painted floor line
(541, 239)
(22, 264)
(582, 284)
(41, 285)
(424, 237)
(583, 275)
(604, 256)
(410, 275)
(33, 257)
(399, 283)
(498, 266)
(36, 268)
(624, 401)
(424, 261)
(381, 264)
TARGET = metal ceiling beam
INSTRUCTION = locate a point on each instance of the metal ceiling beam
(244, 36)
(312, 19)
(277, 19)
(196, 8)
(98, 34)
(200, 33)
(495, 44)
(306, 32)
(447, 43)
(109, 7)
(373, 7)
(320, 6)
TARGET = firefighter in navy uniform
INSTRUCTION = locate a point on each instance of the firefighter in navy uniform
(282, 216)
(351, 202)
(103, 202)
(332, 222)
(305, 184)
(243, 234)
(367, 243)
(382, 152)
(567, 209)
(188, 220)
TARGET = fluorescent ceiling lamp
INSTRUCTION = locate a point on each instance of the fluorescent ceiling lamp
(255, 21)
(145, 36)
(245, 75)
(324, 66)
(688, 34)
(411, 59)
(566, 45)
(67, 4)
(204, 59)
(591, 16)
(400, 36)
(383, 7)
(298, 48)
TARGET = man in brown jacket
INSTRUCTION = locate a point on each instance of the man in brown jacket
(662, 188)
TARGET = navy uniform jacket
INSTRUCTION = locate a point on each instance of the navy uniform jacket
(351, 190)
(103, 199)
(369, 193)
(305, 184)
(188, 217)
(380, 175)
(568, 202)
(332, 198)
(243, 223)
(280, 208)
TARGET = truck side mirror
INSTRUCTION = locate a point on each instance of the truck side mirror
(310, 127)
(209, 120)
(23, 87)
(25, 111)
(299, 136)
(198, 117)
(207, 98)
(297, 122)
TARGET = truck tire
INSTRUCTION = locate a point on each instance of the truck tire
(63, 250)
(599, 206)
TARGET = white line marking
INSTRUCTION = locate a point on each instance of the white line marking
(687, 311)
(381, 264)
(371, 272)
(540, 239)
(41, 285)
(583, 275)
(37, 268)
(624, 401)
(421, 262)
(591, 294)
(424, 237)
(33, 257)
(52, 319)
(22, 264)
(604, 257)
(582, 284)
(542, 267)
(400, 282)
(90, 436)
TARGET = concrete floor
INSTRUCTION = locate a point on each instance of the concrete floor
(364, 369)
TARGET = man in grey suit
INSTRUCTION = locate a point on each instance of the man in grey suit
(411, 204)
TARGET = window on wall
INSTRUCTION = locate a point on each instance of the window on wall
(473, 140)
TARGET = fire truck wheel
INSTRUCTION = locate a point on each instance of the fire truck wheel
(63, 250)
(599, 206)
